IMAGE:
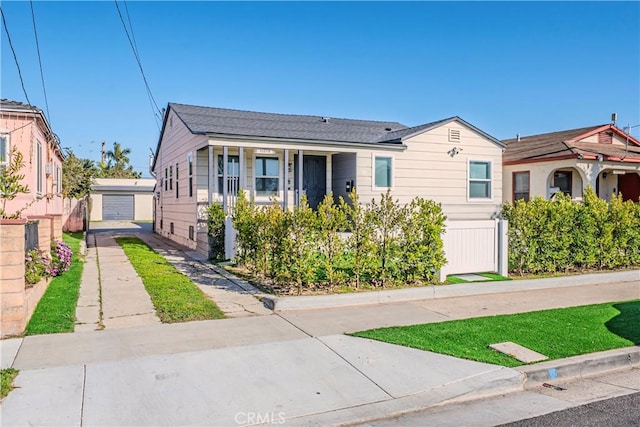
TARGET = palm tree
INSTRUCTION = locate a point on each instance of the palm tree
(118, 163)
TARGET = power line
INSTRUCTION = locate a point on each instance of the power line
(15, 57)
(44, 90)
(135, 54)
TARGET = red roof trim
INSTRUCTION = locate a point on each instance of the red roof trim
(613, 128)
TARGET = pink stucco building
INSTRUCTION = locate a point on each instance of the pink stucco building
(25, 127)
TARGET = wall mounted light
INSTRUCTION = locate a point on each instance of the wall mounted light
(604, 175)
(454, 151)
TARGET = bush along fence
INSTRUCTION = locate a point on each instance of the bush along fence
(339, 244)
(562, 236)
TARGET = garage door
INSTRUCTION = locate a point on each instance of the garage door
(118, 207)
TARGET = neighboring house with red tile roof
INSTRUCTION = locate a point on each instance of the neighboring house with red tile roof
(602, 157)
(26, 128)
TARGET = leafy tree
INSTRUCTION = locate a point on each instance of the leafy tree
(77, 175)
(331, 221)
(10, 182)
(386, 217)
(360, 242)
(118, 164)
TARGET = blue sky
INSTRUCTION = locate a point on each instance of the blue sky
(506, 67)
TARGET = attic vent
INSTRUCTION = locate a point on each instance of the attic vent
(454, 135)
(605, 138)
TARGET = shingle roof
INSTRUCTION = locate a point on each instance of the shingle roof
(208, 120)
(16, 105)
(560, 144)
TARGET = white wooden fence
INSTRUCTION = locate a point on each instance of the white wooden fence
(475, 247)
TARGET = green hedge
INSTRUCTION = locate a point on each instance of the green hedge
(561, 236)
(386, 244)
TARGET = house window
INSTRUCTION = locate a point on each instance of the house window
(233, 174)
(177, 184)
(170, 177)
(190, 173)
(58, 180)
(5, 152)
(38, 167)
(562, 180)
(166, 179)
(521, 186)
(382, 167)
(267, 176)
(479, 180)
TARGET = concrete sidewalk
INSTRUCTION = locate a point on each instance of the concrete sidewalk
(231, 386)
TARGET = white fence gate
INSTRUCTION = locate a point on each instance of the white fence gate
(475, 247)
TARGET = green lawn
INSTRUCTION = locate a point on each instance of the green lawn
(491, 277)
(174, 296)
(555, 333)
(56, 311)
(6, 381)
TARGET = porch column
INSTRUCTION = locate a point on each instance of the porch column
(300, 170)
(241, 169)
(225, 176)
(285, 188)
(210, 176)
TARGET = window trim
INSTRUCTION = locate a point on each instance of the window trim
(256, 177)
(177, 182)
(58, 178)
(190, 173)
(392, 177)
(39, 166)
(513, 185)
(490, 180)
(7, 149)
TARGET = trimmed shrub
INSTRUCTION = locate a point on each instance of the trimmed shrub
(546, 236)
(303, 248)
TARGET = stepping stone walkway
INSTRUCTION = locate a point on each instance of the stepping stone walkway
(518, 352)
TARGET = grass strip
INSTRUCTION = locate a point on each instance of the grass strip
(556, 333)
(6, 381)
(174, 296)
(56, 310)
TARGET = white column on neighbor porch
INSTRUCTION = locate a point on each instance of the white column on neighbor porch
(285, 186)
(241, 169)
(299, 172)
(210, 176)
(225, 176)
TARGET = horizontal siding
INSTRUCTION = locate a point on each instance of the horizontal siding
(425, 169)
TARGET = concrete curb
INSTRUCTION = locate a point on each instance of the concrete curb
(580, 366)
(503, 383)
(444, 291)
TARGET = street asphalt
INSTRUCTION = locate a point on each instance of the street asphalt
(260, 366)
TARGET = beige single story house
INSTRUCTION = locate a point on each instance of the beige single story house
(121, 199)
(602, 157)
(205, 155)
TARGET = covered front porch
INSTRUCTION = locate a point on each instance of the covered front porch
(268, 175)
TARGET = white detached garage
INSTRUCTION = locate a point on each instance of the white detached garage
(122, 199)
